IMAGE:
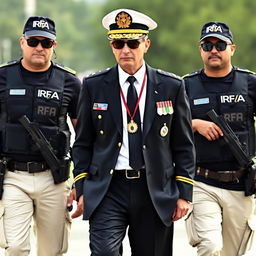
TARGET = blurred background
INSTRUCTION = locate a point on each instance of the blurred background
(83, 44)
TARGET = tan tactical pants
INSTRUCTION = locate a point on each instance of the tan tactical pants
(28, 195)
(222, 222)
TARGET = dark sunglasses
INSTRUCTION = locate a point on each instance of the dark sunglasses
(46, 43)
(220, 46)
(132, 44)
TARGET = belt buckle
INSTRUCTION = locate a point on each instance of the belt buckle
(132, 177)
(28, 166)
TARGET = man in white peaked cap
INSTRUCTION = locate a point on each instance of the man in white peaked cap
(133, 154)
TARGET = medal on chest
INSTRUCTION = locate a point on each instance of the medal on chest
(132, 127)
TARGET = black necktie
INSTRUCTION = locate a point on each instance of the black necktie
(135, 139)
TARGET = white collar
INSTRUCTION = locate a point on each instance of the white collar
(139, 75)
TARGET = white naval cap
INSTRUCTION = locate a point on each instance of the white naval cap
(127, 24)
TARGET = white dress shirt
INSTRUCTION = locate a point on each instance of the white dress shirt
(123, 158)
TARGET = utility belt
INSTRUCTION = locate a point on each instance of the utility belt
(224, 176)
(60, 173)
(31, 167)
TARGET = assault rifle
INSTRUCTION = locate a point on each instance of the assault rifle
(59, 168)
(237, 150)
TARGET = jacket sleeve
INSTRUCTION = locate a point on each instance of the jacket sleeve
(182, 143)
(83, 145)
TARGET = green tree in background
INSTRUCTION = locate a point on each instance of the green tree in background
(83, 43)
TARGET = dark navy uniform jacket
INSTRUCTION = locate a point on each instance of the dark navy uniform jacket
(169, 156)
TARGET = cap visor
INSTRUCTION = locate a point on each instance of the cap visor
(223, 38)
(40, 33)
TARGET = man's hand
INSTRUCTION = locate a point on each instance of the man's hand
(180, 210)
(71, 198)
(79, 209)
(207, 129)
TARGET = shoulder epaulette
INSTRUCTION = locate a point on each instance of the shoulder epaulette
(244, 70)
(58, 65)
(98, 73)
(194, 73)
(165, 73)
(9, 63)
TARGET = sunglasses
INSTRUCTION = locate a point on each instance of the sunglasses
(132, 44)
(46, 43)
(220, 46)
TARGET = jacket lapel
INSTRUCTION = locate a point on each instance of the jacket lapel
(112, 93)
(152, 92)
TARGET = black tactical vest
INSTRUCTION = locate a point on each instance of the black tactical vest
(42, 105)
(237, 109)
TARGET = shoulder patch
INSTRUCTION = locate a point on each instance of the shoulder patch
(165, 73)
(9, 63)
(98, 73)
(244, 70)
(194, 73)
(61, 66)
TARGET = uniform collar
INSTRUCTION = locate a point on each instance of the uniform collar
(139, 75)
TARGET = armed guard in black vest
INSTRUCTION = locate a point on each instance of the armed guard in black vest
(225, 183)
(36, 96)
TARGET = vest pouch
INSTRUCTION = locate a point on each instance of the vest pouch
(217, 151)
(202, 103)
(199, 111)
(46, 111)
(15, 139)
(18, 106)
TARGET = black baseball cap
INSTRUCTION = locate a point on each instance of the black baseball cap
(40, 26)
(216, 29)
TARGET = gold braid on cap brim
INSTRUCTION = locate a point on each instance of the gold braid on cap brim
(126, 33)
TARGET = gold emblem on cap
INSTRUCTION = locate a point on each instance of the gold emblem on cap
(123, 20)
(164, 130)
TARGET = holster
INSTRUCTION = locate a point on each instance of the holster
(63, 173)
